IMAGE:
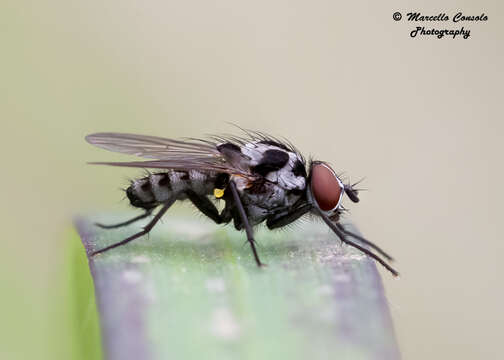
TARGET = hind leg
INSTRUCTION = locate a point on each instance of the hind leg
(207, 207)
(145, 230)
(127, 222)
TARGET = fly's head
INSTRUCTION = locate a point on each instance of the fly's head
(326, 190)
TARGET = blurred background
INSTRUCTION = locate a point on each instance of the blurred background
(420, 119)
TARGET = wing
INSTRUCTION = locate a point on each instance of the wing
(191, 154)
(153, 147)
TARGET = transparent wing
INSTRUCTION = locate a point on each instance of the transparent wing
(154, 147)
(168, 153)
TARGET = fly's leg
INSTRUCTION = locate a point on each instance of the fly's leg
(367, 242)
(246, 224)
(343, 238)
(145, 230)
(204, 205)
(127, 222)
(226, 215)
(285, 218)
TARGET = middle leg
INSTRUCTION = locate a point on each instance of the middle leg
(245, 222)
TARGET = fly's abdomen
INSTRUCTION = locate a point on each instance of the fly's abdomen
(154, 189)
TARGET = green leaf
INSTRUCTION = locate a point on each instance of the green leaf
(191, 290)
(83, 337)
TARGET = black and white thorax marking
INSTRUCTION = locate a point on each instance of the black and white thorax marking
(258, 177)
(280, 180)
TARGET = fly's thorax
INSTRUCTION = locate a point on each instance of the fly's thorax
(261, 198)
(157, 188)
(280, 175)
(277, 164)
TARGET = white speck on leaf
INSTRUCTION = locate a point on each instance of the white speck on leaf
(150, 293)
(132, 276)
(140, 259)
(325, 290)
(342, 278)
(215, 285)
(355, 256)
(224, 325)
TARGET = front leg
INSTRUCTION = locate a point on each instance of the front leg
(285, 218)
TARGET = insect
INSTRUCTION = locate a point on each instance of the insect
(259, 178)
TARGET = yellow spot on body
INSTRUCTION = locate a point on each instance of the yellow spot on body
(218, 193)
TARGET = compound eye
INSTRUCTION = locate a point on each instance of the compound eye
(326, 188)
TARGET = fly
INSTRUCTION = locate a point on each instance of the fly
(259, 178)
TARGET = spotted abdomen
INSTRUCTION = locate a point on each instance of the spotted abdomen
(150, 191)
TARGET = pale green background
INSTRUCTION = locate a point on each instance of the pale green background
(421, 119)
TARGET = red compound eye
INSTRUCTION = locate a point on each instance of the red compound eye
(325, 186)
